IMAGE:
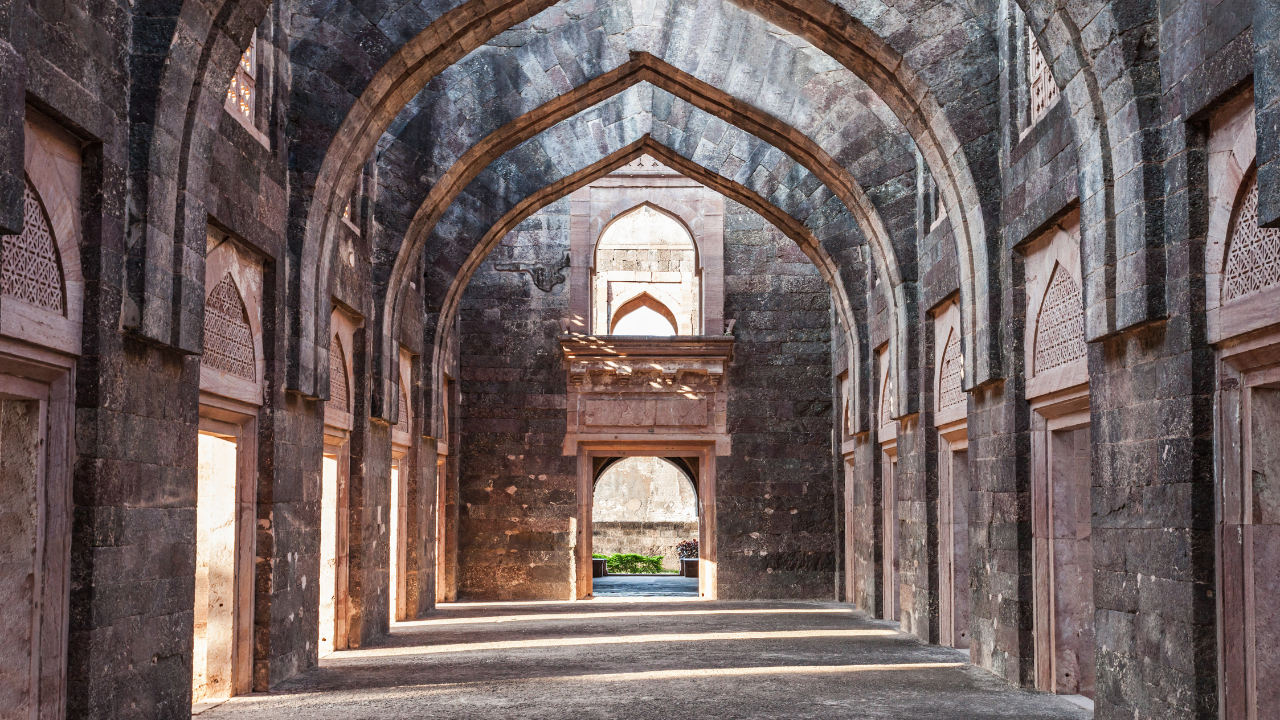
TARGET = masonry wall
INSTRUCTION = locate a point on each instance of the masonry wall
(517, 494)
(775, 496)
(642, 538)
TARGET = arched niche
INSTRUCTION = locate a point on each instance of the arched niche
(647, 251)
(1055, 358)
(43, 262)
(233, 364)
(950, 408)
(1053, 344)
(887, 432)
(644, 299)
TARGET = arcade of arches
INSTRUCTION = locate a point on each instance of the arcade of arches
(949, 324)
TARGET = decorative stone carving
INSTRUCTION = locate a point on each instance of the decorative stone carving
(546, 276)
(950, 391)
(228, 339)
(241, 91)
(31, 268)
(1044, 90)
(1253, 256)
(625, 387)
(403, 423)
(339, 390)
(645, 164)
(887, 401)
(1059, 335)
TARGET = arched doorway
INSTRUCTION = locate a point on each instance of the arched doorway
(644, 523)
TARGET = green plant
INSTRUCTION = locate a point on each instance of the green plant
(632, 563)
(687, 549)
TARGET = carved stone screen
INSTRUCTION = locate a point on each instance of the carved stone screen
(1253, 258)
(403, 424)
(240, 93)
(31, 271)
(339, 393)
(949, 384)
(887, 401)
(228, 339)
(1044, 90)
(1060, 327)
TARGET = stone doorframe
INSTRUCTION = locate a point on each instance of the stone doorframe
(48, 378)
(1245, 530)
(703, 451)
(1060, 412)
(238, 422)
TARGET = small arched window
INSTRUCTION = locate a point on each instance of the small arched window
(646, 276)
(1059, 338)
(241, 93)
(1253, 257)
(643, 315)
(950, 381)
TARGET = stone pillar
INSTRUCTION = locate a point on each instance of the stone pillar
(13, 90)
(1266, 84)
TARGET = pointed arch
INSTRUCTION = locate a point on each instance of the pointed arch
(228, 338)
(888, 399)
(1059, 337)
(403, 423)
(850, 315)
(339, 383)
(689, 236)
(32, 268)
(951, 373)
(1253, 254)
(643, 300)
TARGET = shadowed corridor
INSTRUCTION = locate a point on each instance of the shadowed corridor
(614, 658)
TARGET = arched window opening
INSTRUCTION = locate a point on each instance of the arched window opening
(644, 315)
(1253, 257)
(642, 255)
(1059, 336)
(339, 389)
(240, 95)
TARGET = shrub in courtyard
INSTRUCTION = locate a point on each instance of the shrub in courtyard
(632, 563)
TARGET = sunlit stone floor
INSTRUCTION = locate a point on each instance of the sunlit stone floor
(644, 586)
(640, 659)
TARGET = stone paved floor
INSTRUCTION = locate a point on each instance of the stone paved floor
(645, 660)
(644, 586)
